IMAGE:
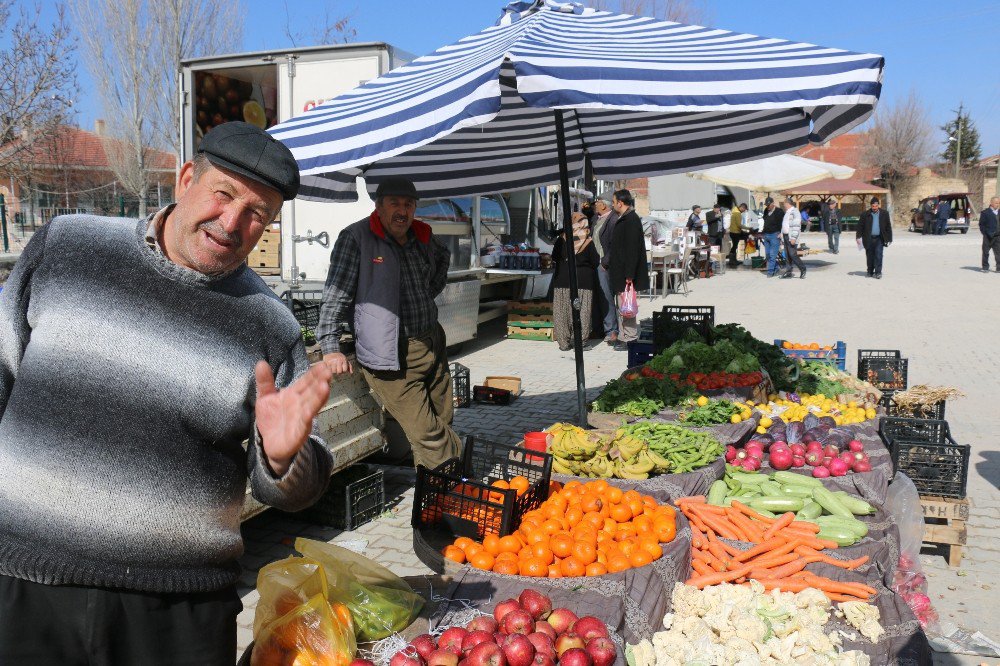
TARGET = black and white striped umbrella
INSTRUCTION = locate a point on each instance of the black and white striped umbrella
(641, 97)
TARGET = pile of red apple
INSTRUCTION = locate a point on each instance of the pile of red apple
(826, 460)
(521, 632)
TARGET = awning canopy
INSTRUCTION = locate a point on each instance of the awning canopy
(772, 174)
(834, 187)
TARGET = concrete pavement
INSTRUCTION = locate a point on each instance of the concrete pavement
(932, 304)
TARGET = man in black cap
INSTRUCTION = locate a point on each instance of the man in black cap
(874, 234)
(773, 219)
(135, 361)
(694, 219)
(385, 272)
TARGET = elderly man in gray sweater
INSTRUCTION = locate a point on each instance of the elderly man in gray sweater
(135, 358)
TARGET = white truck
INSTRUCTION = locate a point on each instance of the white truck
(268, 87)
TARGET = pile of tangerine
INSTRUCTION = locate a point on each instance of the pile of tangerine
(585, 529)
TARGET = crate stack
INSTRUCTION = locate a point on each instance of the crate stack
(354, 497)
(924, 450)
(529, 320)
(836, 355)
(461, 386)
(265, 258)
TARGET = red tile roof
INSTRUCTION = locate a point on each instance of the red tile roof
(79, 148)
(835, 186)
(846, 149)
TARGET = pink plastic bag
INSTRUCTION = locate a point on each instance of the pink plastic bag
(628, 304)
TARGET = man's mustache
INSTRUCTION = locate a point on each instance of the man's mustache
(214, 228)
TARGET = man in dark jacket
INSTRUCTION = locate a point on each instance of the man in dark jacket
(694, 219)
(831, 222)
(989, 226)
(628, 261)
(943, 215)
(928, 216)
(875, 234)
(773, 217)
(604, 225)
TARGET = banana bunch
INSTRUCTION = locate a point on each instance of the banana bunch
(571, 442)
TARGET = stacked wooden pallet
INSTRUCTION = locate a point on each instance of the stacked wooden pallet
(529, 320)
(265, 258)
(944, 524)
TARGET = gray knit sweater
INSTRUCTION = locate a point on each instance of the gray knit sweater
(126, 389)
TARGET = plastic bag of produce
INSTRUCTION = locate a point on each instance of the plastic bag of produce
(295, 621)
(909, 581)
(381, 603)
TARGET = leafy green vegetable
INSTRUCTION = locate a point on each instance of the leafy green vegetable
(308, 337)
(642, 396)
(714, 413)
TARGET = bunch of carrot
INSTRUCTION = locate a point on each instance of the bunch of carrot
(784, 546)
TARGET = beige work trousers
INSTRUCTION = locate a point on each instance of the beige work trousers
(419, 397)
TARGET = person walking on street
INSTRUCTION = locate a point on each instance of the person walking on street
(135, 360)
(587, 260)
(628, 261)
(694, 219)
(773, 219)
(385, 272)
(604, 226)
(943, 215)
(831, 221)
(989, 227)
(791, 229)
(928, 216)
(874, 234)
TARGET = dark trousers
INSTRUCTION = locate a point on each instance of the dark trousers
(873, 252)
(86, 626)
(793, 257)
(929, 226)
(735, 238)
(942, 227)
(991, 244)
(833, 239)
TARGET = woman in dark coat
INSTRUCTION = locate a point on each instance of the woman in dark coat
(587, 260)
(628, 261)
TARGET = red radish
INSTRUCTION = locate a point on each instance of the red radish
(424, 644)
(779, 443)
(855, 445)
(751, 464)
(811, 446)
(821, 472)
(826, 461)
(814, 458)
(754, 446)
(589, 627)
(862, 466)
(518, 650)
(838, 467)
(602, 651)
(798, 450)
(537, 604)
(505, 607)
(781, 459)
(798, 461)
(575, 657)
(847, 457)
(830, 451)
(858, 456)
(740, 456)
(730, 453)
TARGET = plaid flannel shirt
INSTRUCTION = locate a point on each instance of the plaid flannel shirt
(420, 282)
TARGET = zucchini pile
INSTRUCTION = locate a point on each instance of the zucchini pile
(774, 494)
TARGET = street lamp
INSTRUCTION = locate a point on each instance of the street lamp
(958, 148)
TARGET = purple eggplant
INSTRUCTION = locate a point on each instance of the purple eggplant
(838, 437)
(794, 433)
(810, 421)
(828, 421)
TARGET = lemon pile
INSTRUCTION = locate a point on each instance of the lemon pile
(819, 405)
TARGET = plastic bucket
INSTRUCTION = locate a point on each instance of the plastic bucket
(535, 441)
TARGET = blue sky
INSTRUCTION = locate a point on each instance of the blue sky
(940, 49)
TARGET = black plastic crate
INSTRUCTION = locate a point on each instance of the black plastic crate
(458, 497)
(354, 497)
(885, 374)
(936, 469)
(461, 387)
(893, 428)
(305, 305)
(877, 353)
(670, 324)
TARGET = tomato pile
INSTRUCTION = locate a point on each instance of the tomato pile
(701, 380)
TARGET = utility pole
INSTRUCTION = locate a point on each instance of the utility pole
(958, 145)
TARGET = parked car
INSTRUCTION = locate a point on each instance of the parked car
(961, 209)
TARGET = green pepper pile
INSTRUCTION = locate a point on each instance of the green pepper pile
(685, 449)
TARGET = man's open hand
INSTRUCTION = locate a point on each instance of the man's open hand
(284, 417)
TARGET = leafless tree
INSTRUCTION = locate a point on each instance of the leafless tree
(186, 29)
(899, 139)
(117, 48)
(333, 30)
(682, 11)
(37, 80)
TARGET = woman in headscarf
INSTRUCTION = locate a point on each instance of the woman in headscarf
(587, 260)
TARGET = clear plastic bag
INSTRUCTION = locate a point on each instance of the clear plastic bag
(295, 622)
(909, 581)
(381, 603)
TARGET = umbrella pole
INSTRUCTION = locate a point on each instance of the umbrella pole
(574, 292)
